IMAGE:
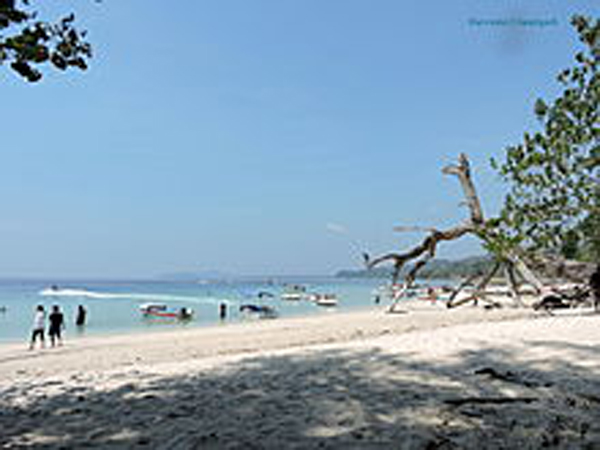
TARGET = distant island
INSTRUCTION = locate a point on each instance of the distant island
(436, 269)
(191, 276)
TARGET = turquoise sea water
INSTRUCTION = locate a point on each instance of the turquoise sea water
(113, 307)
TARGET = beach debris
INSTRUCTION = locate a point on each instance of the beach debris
(488, 400)
(510, 377)
(563, 297)
(394, 309)
(550, 302)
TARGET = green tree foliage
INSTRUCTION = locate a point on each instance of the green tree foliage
(27, 43)
(554, 198)
(589, 230)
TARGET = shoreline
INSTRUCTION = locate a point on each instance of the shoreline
(246, 338)
(73, 335)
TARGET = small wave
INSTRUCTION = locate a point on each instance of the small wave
(76, 293)
(131, 296)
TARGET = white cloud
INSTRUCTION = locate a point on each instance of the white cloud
(336, 228)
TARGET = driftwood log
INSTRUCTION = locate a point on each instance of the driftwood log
(510, 260)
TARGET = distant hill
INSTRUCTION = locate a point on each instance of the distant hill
(437, 268)
(194, 276)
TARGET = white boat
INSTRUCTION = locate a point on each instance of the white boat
(293, 292)
(325, 299)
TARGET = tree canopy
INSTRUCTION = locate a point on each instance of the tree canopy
(28, 44)
(554, 199)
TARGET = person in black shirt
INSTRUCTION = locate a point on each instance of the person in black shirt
(80, 320)
(57, 323)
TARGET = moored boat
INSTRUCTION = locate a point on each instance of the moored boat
(162, 311)
(324, 299)
(293, 292)
(262, 311)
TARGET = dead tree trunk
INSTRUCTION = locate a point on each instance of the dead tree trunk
(513, 285)
(476, 224)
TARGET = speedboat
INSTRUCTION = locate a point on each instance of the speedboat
(264, 312)
(150, 308)
(52, 290)
(324, 299)
(162, 311)
(293, 292)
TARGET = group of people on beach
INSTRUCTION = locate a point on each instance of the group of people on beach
(56, 321)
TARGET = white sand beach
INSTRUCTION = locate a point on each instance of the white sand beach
(430, 378)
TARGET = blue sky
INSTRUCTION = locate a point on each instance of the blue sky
(264, 137)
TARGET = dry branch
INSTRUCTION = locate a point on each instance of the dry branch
(423, 252)
(427, 247)
(463, 172)
(408, 229)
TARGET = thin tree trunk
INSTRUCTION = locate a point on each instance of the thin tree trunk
(514, 286)
(466, 282)
(486, 279)
(525, 272)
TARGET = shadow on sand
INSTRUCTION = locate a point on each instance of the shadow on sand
(324, 399)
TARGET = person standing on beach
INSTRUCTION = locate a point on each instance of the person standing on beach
(81, 312)
(57, 323)
(39, 324)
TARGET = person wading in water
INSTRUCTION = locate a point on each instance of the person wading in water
(57, 323)
(81, 313)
